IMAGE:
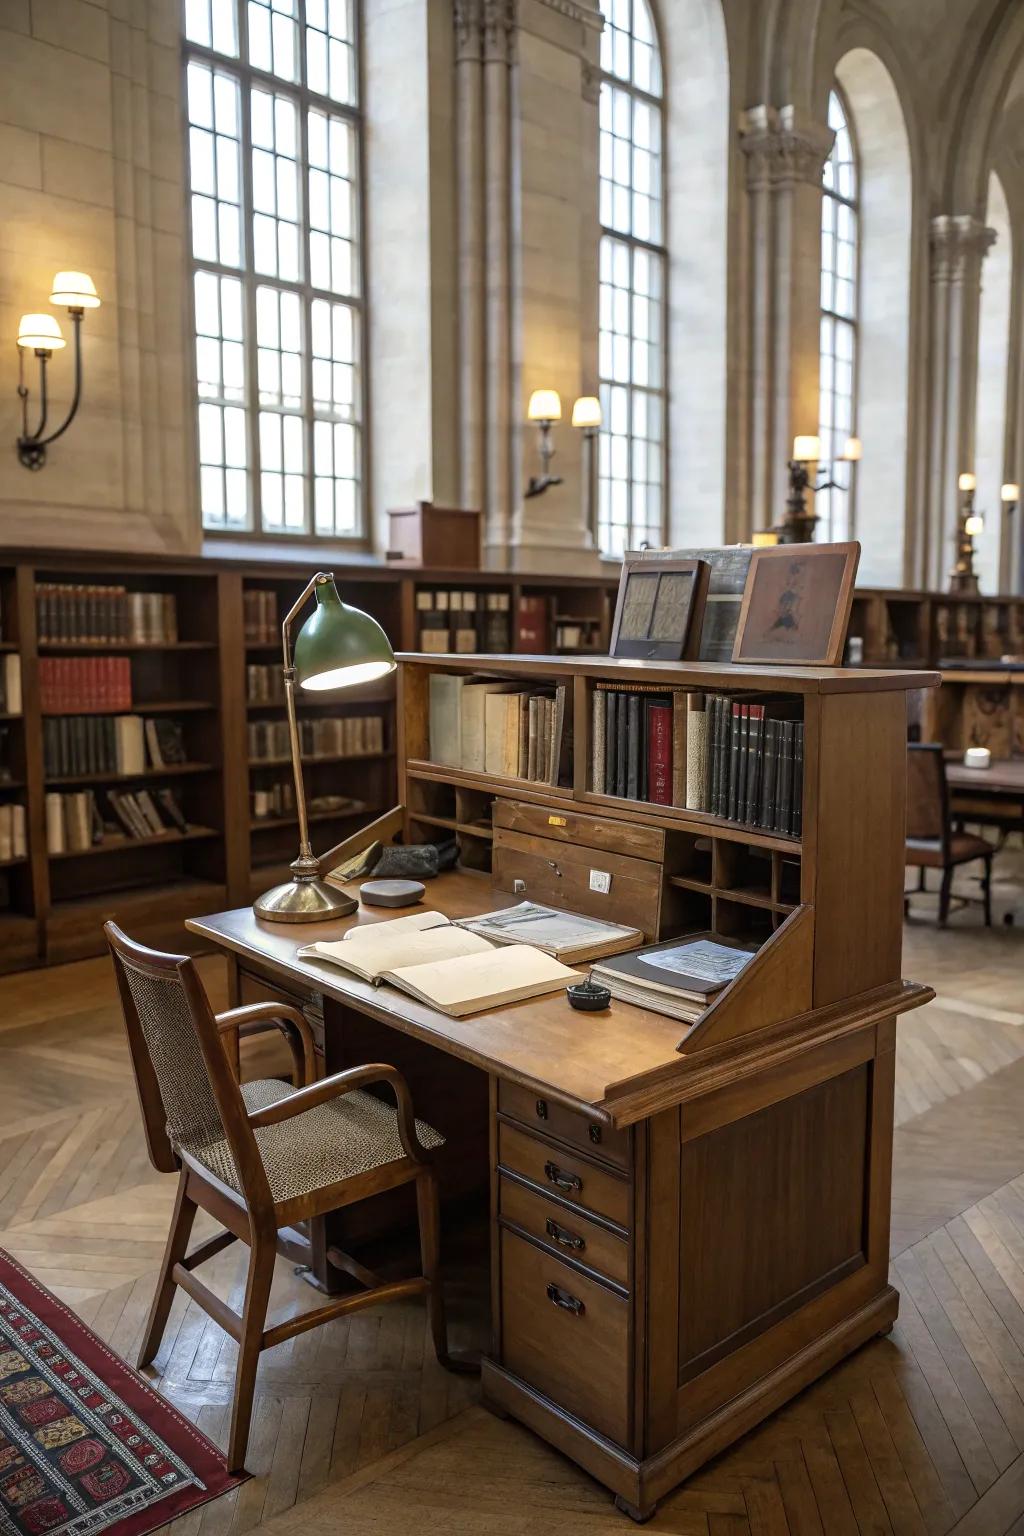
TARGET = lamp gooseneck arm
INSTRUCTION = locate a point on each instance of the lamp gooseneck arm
(305, 850)
(36, 441)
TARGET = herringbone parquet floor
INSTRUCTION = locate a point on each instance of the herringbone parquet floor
(357, 1432)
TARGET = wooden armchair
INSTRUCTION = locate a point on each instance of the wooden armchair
(261, 1157)
(931, 841)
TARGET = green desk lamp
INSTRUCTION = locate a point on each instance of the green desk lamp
(337, 647)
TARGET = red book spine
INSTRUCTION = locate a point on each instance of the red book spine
(533, 625)
(659, 754)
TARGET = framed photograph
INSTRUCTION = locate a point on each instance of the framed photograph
(659, 608)
(796, 604)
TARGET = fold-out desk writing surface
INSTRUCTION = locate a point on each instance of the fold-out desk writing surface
(541, 1043)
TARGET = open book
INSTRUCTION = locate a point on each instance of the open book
(569, 936)
(442, 965)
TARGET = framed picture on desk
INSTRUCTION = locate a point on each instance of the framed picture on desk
(659, 609)
(796, 604)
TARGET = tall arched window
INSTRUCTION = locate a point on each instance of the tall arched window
(273, 166)
(631, 506)
(838, 323)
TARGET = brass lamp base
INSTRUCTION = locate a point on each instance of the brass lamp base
(304, 900)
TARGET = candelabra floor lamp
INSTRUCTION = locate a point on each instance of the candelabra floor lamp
(337, 647)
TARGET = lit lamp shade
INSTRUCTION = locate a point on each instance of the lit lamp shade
(1010, 492)
(806, 449)
(967, 482)
(545, 405)
(974, 524)
(75, 290)
(587, 412)
(40, 332)
(853, 450)
(339, 646)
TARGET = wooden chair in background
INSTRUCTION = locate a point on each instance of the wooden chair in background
(932, 842)
(261, 1157)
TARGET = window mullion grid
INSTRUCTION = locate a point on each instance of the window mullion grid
(248, 275)
(307, 301)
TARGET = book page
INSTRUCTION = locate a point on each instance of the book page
(371, 956)
(465, 983)
(532, 923)
(413, 922)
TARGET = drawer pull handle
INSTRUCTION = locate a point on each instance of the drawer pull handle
(542, 1109)
(563, 1180)
(565, 1301)
(563, 1238)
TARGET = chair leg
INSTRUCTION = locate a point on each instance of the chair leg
(944, 895)
(174, 1252)
(986, 891)
(254, 1317)
(430, 1250)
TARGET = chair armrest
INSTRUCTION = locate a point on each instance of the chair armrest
(343, 1082)
(257, 1018)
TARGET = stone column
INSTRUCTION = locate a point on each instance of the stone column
(469, 150)
(784, 165)
(958, 246)
(498, 48)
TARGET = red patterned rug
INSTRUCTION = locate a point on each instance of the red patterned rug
(86, 1445)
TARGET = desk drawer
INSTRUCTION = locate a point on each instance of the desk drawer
(565, 1335)
(560, 874)
(551, 1119)
(566, 1174)
(566, 1233)
(578, 829)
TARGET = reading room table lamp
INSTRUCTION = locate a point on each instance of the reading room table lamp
(337, 647)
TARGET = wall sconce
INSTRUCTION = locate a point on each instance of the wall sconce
(797, 526)
(586, 415)
(963, 580)
(1009, 495)
(545, 409)
(42, 335)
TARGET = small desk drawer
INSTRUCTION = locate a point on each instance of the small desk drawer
(566, 1233)
(622, 837)
(559, 874)
(552, 1119)
(565, 1335)
(566, 1174)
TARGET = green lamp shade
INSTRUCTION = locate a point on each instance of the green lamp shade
(339, 646)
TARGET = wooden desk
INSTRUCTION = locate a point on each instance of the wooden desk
(681, 1240)
(993, 796)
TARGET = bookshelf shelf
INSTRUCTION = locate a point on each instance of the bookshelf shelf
(173, 770)
(154, 707)
(130, 844)
(13, 863)
(121, 647)
(328, 757)
(271, 823)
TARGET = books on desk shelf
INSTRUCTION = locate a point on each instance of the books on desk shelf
(678, 977)
(441, 964)
(568, 936)
(487, 726)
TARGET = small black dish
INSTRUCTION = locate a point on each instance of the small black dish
(588, 996)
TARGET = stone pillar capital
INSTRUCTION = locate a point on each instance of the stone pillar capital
(780, 149)
(499, 26)
(956, 241)
(469, 31)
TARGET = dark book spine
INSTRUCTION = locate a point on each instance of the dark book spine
(796, 819)
(633, 747)
(767, 816)
(718, 747)
(611, 742)
(742, 756)
(734, 753)
(755, 760)
(659, 753)
(622, 747)
(785, 771)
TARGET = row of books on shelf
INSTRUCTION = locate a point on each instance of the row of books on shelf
(577, 634)
(82, 685)
(259, 616)
(80, 614)
(115, 744)
(465, 622)
(338, 736)
(739, 758)
(484, 726)
(13, 832)
(264, 684)
(10, 684)
(78, 822)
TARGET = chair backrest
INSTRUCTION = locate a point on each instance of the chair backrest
(187, 1090)
(927, 793)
